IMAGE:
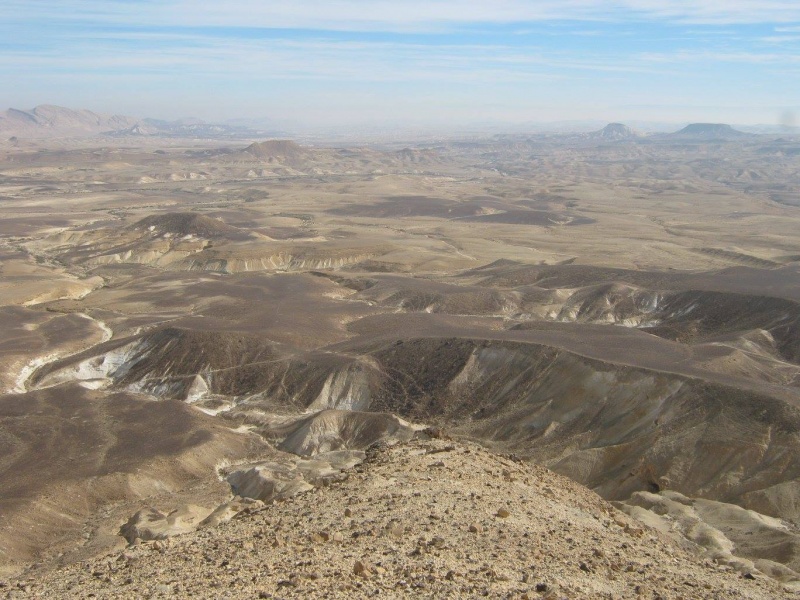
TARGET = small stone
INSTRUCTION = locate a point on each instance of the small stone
(748, 576)
(503, 513)
(338, 537)
(634, 531)
(360, 569)
(542, 588)
(475, 528)
(348, 512)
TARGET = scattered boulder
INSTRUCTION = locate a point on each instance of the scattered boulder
(228, 510)
(290, 475)
(268, 481)
(150, 524)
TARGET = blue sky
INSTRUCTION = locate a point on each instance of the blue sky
(417, 62)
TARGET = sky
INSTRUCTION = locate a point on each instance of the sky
(450, 63)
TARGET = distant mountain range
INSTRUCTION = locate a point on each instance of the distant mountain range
(55, 121)
(693, 132)
(48, 121)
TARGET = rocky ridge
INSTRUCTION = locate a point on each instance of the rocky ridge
(429, 518)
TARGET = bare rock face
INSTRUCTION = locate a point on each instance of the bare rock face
(228, 510)
(288, 476)
(332, 430)
(726, 533)
(150, 524)
(269, 481)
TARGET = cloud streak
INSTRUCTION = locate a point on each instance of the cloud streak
(574, 55)
(390, 15)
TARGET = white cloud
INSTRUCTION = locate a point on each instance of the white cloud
(310, 59)
(147, 51)
(780, 39)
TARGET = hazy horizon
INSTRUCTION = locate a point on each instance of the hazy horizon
(440, 64)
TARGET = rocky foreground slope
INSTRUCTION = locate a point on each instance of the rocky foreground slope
(427, 518)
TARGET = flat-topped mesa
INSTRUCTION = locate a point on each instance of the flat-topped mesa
(710, 131)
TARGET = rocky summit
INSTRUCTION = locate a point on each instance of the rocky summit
(426, 518)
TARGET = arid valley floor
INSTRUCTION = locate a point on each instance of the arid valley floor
(543, 366)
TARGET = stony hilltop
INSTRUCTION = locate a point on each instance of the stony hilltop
(428, 518)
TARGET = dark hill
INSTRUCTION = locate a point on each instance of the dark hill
(275, 149)
(187, 223)
(711, 131)
(615, 131)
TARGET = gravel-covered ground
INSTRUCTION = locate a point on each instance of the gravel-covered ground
(428, 519)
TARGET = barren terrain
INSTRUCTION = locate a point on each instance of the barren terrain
(213, 327)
